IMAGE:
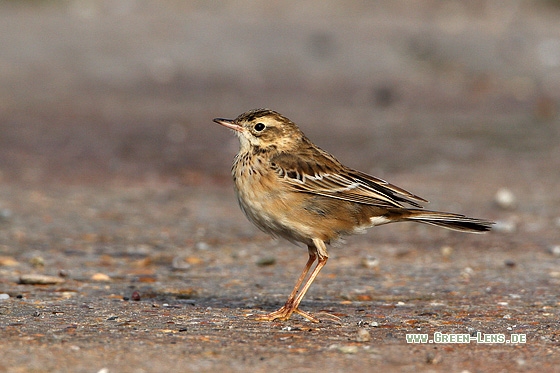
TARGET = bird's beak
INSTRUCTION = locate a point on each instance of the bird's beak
(229, 123)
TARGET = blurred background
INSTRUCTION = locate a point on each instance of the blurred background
(115, 183)
(107, 90)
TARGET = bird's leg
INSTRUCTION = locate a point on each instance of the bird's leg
(322, 256)
(317, 250)
(286, 311)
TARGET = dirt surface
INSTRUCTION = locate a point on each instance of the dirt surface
(122, 248)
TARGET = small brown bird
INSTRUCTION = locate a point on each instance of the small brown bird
(289, 187)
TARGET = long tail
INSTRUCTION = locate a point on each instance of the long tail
(447, 220)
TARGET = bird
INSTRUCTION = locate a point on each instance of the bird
(289, 187)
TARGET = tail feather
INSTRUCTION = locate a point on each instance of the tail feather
(447, 220)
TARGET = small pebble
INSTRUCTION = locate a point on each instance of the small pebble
(446, 251)
(100, 277)
(432, 358)
(467, 273)
(505, 199)
(509, 263)
(555, 250)
(370, 262)
(8, 261)
(363, 335)
(135, 296)
(348, 349)
(180, 263)
(63, 273)
(5, 214)
(193, 260)
(266, 261)
(202, 246)
(33, 279)
(37, 261)
(4, 296)
(505, 226)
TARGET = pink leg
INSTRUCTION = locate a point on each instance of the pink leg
(318, 250)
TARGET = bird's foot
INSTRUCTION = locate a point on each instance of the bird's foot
(284, 314)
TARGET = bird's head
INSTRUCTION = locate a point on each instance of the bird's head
(264, 129)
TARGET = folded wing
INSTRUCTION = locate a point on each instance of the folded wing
(323, 175)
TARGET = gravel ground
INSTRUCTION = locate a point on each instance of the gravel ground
(159, 276)
(122, 248)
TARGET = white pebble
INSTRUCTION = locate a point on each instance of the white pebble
(34, 279)
(363, 335)
(348, 349)
(555, 250)
(202, 246)
(505, 226)
(446, 251)
(370, 262)
(505, 198)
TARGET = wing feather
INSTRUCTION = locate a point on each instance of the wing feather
(320, 173)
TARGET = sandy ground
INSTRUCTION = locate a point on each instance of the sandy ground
(122, 248)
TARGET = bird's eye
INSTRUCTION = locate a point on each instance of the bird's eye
(259, 127)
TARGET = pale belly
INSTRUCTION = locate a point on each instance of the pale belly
(273, 213)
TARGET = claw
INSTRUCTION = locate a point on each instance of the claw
(284, 314)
